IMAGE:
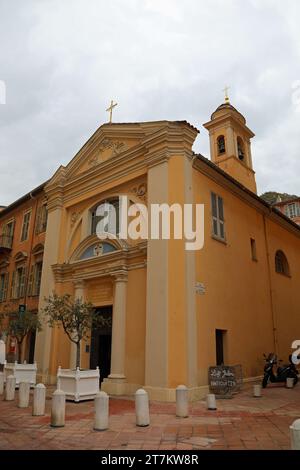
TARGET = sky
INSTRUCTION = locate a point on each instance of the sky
(62, 61)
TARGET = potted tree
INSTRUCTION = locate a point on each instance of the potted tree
(77, 318)
(18, 326)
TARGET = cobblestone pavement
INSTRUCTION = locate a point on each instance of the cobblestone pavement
(242, 422)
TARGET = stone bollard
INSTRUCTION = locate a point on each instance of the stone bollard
(101, 411)
(211, 402)
(39, 400)
(142, 408)
(1, 383)
(10, 388)
(295, 435)
(24, 389)
(290, 382)
(58, 409)
(257, 391)
(182, 401)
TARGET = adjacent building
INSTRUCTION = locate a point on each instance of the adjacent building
(22, 237)
(290, 208)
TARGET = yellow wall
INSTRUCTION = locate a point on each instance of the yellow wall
(177, 336)
(135, 326)
(238, 289)
(285, 290)
(237, 297)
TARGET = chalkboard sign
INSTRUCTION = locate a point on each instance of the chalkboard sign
(224, 380)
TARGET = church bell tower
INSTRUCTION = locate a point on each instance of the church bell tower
(230, 145)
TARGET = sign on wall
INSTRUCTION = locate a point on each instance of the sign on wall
(200, 288)
(225, 380)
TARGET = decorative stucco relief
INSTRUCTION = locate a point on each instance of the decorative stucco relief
(140, 191)
(115, 147)
(74, 217)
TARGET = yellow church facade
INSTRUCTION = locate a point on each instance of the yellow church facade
(171, 312)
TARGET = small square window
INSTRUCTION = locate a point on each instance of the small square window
(253, 249)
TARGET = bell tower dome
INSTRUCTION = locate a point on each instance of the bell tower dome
(230, 145)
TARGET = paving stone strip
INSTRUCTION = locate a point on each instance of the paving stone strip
(243, 422)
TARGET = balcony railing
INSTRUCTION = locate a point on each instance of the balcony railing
(5, 242)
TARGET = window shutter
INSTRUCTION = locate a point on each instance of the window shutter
(214, 205)
(30, 281)
(222, 233)
(38, 277)
(217, 210)
(44, 215)
(25, 228)
(12, 230)
(38, 220)
(22, 282)
(12, 289)
(220, 208)
(2, 287)
(5, 287)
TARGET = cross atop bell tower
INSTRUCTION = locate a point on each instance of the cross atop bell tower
(226, 94)
(230, 145)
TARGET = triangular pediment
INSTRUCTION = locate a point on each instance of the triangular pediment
(108, 142)
(113, 141)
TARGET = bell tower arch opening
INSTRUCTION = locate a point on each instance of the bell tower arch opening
(230, 144)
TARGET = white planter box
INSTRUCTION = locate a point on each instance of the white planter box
(78, 384)
(22, 372)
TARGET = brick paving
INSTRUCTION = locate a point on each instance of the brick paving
(242, 422)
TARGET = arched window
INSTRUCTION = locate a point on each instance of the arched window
(281, 263)
(97, 249)
(241, 151)
(221, 144)
(111, 211)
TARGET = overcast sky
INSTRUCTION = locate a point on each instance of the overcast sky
(62, 62)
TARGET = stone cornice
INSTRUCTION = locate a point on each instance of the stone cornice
(237, 160)
(227, 120)
(159, 141)
(79, 284)
(172, 139)
(102, 266)
(120, 276)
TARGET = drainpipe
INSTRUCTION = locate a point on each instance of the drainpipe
(274, 322)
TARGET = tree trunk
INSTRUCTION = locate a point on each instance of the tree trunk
(78, 354)
(19, 351)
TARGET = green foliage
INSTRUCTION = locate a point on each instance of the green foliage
(76, 317)
(19, 325)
